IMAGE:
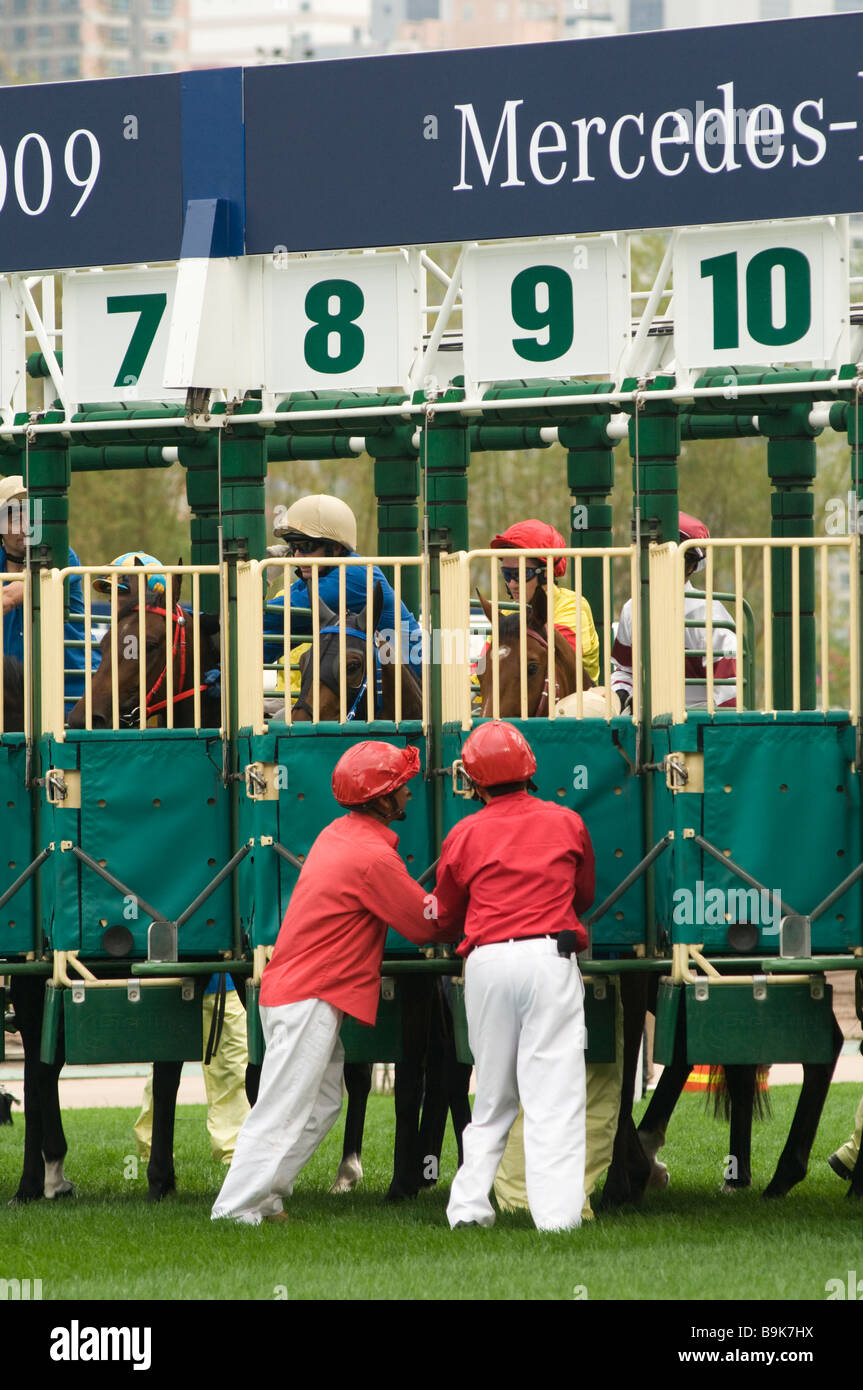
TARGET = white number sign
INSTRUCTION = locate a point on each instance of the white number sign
(761, 295)
(553, 308)
(335, 321)
(115, 334)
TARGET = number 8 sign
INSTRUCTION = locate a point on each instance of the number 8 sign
(340, 321)
(551, 308)
(761, 295)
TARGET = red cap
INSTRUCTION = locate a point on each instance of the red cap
(497, 752)
(691, 529)
(524, 535)
(372, 769)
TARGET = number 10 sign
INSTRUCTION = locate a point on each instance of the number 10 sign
(552, 308)
(761, 295)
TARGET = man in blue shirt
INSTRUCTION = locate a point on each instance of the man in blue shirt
(13, 529)
(320, 526)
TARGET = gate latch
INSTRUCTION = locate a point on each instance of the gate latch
(461, 783)
(684, 772)
(262, 781)
(63, 788)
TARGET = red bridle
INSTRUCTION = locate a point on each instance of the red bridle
(178, 618)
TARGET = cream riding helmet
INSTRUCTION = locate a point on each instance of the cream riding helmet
(320, 518)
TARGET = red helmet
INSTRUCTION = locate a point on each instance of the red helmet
(524, 535)
(691, 529)
(497, 752)
(372, 769)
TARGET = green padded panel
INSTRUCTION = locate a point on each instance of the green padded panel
(731, 1025)
(154, 809)
(306, 805)
(2, 1030)
(160, 1027)
(610, 805)
(599, 1019)
(667, 1008)
(383, 1042)
(16, 837)
(791, 819)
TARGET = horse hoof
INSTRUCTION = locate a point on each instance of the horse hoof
(156, 1194)
(729, 1186)
(659, 1176)
(21, 1199)
(350, 1173)
(651, 1142)
(400, 1194)
(68, 1189)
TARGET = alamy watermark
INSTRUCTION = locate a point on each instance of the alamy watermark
(711, 907)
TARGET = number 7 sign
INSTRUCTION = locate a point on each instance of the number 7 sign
(115, 334)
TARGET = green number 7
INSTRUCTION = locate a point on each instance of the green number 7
(150, 308)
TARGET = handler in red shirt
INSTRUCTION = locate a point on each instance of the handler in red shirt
(517, 874)
(326, 964)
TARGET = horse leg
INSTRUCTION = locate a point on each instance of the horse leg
(630, 1168)
(253, 1081)
(44, 1140)
(160, 1169)
(358, 1081)
(408, 1089)
(740, 1080)
(794, 1159)
(856, 1188)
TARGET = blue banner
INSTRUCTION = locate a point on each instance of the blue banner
(742, 122)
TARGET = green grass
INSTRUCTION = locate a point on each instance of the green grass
(686, 1242)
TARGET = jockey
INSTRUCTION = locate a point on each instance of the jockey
(127, 583)
(524, 535)
(695, 608)
(325, 526)
(13, 519)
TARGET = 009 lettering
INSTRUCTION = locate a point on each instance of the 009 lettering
(335, 342)
(763, 299)
(541, 300)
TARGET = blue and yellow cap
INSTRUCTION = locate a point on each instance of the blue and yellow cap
(156, 583)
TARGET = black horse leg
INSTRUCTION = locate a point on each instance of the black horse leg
(741, 1081)
(160, 1169)
(44, 1140)
(630, 1168)
(253, 1081)
(447, 1083)
(416, 995)
(358, 1082)
(794, 1159)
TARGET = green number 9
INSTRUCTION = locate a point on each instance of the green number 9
(542, 302)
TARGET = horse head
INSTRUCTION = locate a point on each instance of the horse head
(158, 614)
(536, 666)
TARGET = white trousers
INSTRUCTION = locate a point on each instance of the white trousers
(299, 1099)
(525, 1014)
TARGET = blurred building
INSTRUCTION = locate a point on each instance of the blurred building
(224, 33)
(58, 40)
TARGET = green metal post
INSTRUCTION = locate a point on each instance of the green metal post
(202, 494)
(397, 486)
(590, 474)
(791, 464)
(853, 416)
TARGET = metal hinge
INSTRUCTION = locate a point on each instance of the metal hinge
(133, 991)
(79, 992)
(701, 990)
(388, 987)
(261, 784)
(599, 988)
(63, 788)
(759, 987)
(187, 989)
(816, 987)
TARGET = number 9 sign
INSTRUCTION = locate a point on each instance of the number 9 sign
(340, 321)
(550, 308)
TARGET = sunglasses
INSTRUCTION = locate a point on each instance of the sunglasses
(304, 547)
(511, 576)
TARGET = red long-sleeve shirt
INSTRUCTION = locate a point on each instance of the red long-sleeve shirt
(331, 943)
(519, 867)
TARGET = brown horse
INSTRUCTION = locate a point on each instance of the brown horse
(185, 635)
(536, 669)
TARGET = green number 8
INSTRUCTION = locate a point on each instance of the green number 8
(350, 341)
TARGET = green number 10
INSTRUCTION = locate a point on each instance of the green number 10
(335, 343)
(760, 308)
(541, 299)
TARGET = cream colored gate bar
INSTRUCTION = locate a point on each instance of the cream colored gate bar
(836, 615)
(387, 648)
(7, 580)
(458, 582)
(184, 628)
